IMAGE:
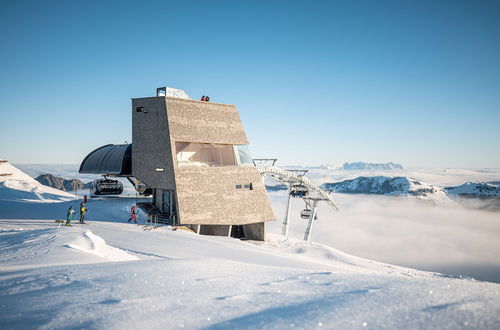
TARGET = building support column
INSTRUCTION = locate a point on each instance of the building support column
(307, 235)
(286, 220)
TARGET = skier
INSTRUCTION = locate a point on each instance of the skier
(133, 214)
(69, 216)
(83, 209)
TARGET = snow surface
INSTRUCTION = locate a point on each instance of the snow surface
(111, 274)
(183, 280)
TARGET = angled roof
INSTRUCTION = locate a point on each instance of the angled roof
(111, 159)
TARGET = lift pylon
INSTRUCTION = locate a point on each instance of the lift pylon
(291, 178)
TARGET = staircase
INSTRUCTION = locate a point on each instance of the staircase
(155, 214)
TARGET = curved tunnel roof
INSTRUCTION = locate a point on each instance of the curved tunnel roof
(111, 159)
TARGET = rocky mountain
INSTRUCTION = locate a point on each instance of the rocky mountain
(475, 189)
(383, 185)
(358, 166)
(61, 183)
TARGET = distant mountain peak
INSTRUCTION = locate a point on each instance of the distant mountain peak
(385, 185)
(475, 189)
(371, 166)
(61, 183)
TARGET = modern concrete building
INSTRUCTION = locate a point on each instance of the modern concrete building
(194, 157)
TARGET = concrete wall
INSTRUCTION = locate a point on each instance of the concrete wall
(151, 147)
(209, 196)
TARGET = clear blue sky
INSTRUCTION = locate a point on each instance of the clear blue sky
(415, 82)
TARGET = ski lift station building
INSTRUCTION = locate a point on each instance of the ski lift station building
(194, 157)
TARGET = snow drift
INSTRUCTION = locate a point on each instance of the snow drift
(89, 243)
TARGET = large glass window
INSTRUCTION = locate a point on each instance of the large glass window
(205, 154)
(244, 155)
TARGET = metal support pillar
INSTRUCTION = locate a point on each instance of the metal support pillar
(286, 222)
(307, 235)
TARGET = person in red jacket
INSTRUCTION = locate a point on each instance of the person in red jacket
(132, 214)
(203, 98)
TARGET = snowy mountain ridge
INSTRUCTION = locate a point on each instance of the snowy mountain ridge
(363, 166)
(475, 189)
(384, 185)
(405, 186)
(17, 185)
(60, 183)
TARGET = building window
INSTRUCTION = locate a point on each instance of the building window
(244, 157)
(205, 154)
(140, 109)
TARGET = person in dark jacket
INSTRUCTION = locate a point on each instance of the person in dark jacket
(207, 99)
(69, 216)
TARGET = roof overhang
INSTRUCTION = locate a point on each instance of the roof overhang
(111, 159)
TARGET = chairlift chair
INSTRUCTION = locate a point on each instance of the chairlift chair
(107, 187)
(306, 213)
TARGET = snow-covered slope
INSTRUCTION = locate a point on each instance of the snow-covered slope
(383, 185)
(113, 275)
(16, 185)
(183, 280)
(476, 189)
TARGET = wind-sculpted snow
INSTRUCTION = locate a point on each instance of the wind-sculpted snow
(89, 243)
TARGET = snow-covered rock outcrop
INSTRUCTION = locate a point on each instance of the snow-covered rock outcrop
(17, 185)
(475, 189)
(383, 185)
(60, 183)
(362, 166)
